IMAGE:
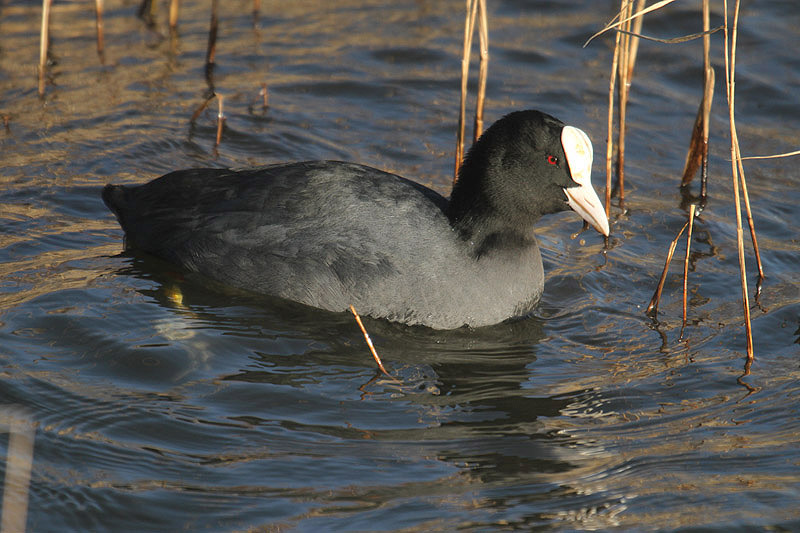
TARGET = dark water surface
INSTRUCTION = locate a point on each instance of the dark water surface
(165, 405)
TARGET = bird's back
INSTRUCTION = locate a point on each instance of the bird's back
(327, 234)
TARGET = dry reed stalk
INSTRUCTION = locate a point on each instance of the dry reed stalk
(626, 8)
(686, 264)
(264, 94)
(174, 7)
(483, 34)
(469, 26)
(44, 42)
(625, 51)
(19, 463)
(201, 108)
(369, 342)
(153, 11)
(212, 43)
(697, 156)
(773, 156)
(627, 60)
(610, 134)
(740, 380)
(220, 120)
(709, 81)
(634, 44)
(611, 25)
(730, 77)
(98, 9)
(148, 11)
(750, 222)
(652, 308)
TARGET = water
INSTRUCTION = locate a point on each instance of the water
(165, 405)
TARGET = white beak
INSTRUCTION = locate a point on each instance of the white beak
(582, 199)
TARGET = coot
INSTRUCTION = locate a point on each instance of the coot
(330, 234)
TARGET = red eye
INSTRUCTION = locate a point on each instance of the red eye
(553, 160)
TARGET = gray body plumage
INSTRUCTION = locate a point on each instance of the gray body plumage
(329, 235)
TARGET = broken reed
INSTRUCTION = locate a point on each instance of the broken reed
(220, 120)
(369, 342)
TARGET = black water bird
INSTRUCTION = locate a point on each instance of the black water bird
(331, 234)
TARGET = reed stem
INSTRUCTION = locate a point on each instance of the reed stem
(44, 43)
(483, 34)
(626, 8)
(100, 34)
(469, 26)
(708, 96)
(610, 132)
(369, 342)
(264, 94)
(174, 7)
(211, 50)
(652, 307)
(730, 77)
(686, 265)
(220, 120)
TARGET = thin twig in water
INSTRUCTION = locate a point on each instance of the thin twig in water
(740, 380)
(369, 342)
(220, 120)
(652, 308)
(264, 94)
(686, 265)
(201, 108)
